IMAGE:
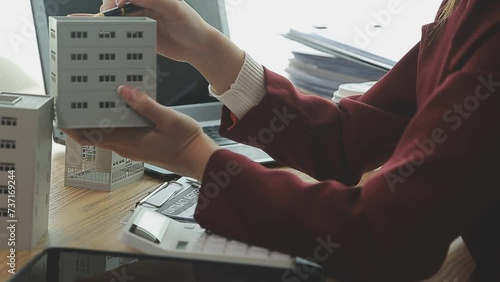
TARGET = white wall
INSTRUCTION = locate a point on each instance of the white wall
(254, 23)
(19, 55)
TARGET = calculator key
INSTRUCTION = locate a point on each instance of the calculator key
(258, 252)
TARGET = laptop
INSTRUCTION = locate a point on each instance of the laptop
(180, 86)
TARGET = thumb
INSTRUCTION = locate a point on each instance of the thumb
(164, 7)
(142, 104)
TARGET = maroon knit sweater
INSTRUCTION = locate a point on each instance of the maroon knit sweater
(432, 123)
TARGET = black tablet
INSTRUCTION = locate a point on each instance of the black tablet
(77, 265)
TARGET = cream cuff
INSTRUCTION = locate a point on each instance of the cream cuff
(247, 91)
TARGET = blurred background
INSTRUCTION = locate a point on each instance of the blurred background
(254, 25)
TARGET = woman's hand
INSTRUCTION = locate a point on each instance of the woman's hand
(184, 36)
(176, 142)
(182, 33)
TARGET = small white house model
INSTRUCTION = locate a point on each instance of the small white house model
(89, 58)
(92, 168)
(25, 161)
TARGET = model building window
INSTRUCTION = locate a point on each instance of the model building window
(79, 105)
(53, 33)
(7, 167)
(107, 105)
(88, 153)
(79, 78)
(107, 34)
(107, 57)
(8, 144)
(118, 163)
(53, 56)
(134, 34)
(134, 78)
(79, 34)
(79, 57)
(8, 121)
(4, 213)
(134, 56)
(107, 78)
(4, 190)
(83, 265)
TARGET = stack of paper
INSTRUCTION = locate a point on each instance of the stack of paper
(355, 41)
(327, 63)
(321, 74)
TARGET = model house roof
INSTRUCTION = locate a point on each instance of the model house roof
(23, 102)
(101, 20)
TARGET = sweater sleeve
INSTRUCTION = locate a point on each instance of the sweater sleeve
(315, 136)
(247, 91)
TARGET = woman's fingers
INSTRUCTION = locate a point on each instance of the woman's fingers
(109, 4)
(80, 15)
(145, 105)
(109, 137)
(164, 7)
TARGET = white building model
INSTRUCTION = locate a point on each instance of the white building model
(92, 168)
(25, 161)
(90, 58)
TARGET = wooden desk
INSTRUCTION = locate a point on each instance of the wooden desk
(92, 220)
(83, 218)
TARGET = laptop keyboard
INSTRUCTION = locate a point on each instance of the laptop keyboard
(213, 133)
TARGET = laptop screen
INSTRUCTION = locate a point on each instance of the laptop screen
(178, 83)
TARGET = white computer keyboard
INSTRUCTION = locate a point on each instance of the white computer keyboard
(154, 233)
